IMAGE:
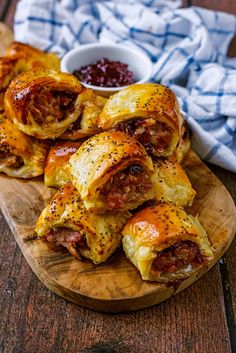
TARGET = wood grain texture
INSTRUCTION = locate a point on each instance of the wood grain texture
(231, 263)
(229, 260)
(116, 285)
(9, 15)
(4, 6)
(229, 284)
(185, 3)
(36, 320)
(218, 5)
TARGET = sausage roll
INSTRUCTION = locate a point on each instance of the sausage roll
(9, 68)
(20, 58)
(66, 222)
(112, 171)
(165, 243)
(173, 185)
(35, 58)
(184, 143)
(150, 112)
(44, 103)
(21, 156)
(58, 156)
(87, 123)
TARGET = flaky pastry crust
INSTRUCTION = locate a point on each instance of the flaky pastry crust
(157, 232)
(44, 103)
(102, 234)
(172, 183)
(21, 156)
(20, 58)
(58, 156)
(142, 106)
(99, 160)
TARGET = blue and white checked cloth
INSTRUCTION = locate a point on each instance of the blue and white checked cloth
(187, 47)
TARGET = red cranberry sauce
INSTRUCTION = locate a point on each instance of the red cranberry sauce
(105, 73)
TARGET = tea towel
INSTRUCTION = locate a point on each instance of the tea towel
(187, 46)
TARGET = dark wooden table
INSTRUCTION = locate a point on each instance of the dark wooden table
(199, 320)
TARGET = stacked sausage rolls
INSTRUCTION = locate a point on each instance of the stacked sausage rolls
(109, 159)
(117, 171)
(38, 102)
(110, 174)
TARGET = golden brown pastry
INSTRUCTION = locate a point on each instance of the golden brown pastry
(87, 123)
(149, 112)
(21, 156)
(66, 222)
(173, 185)
(54, 174)
(20, 58)
(44, 103)
(9, 68)
(165, 243)
(35, 58)
(184, 143)
(112, 171)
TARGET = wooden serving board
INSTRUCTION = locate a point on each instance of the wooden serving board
(116, 285)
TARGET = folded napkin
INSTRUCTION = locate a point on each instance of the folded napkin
(187, 47)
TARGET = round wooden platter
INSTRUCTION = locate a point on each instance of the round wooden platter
(116, 285)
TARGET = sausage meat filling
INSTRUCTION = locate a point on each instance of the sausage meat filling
(10, 160)
(155, 137)
(177, 256)
(68, 238)
(128, 185)
(48, 106)
(72, 132)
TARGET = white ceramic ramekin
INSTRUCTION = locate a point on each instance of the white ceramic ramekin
(138, 63)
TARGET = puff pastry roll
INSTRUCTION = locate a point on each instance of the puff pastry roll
(184, 143)
(21, 156)
(9, 68)
(173, 184)
(165, 243)
(112, 171)
(44, 103)
(150, 112)
(87, 123)
(66, 222)
(58, 156)
(35, 58)
(20, 58)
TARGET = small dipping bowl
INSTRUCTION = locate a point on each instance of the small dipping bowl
(88, 54)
